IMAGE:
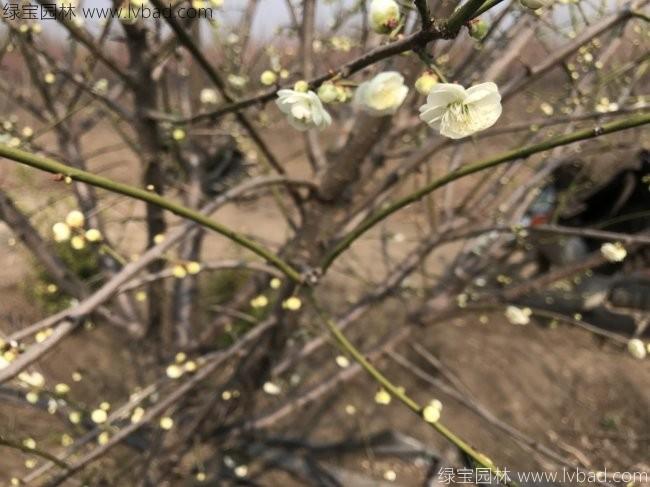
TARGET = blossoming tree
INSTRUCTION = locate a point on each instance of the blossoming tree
(251, 226)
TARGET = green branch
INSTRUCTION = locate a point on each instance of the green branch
(52, 166)
(486, 6)
(463, 14)
(346, 346)
(468, 169)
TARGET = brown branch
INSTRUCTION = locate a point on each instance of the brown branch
(425, 14)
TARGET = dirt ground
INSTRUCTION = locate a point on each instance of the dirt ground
(585, 399)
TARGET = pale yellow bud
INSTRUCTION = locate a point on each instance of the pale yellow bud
(93, 235)
(99, 416)
(61, 232)
(292, 304)
(636, 348)
(383, 15)
(178, 134)
(179, 272)
(78, 242)
(425, 82)
(328, 93)
(382, 397)
(301, 86)
(75, 219)
(268, 78)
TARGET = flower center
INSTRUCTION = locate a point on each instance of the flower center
(457, 113)
(301, 112)
(383, 98)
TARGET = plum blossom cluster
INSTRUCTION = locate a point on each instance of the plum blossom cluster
(451, 109)
(72, 229)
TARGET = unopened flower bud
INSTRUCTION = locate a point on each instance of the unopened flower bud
(636, 348)
(478, 29)
(301, 86)
(328, 93)
(268, 78)
(383, 15)
(425, 82)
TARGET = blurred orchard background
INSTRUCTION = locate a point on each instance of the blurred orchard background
(321, 242)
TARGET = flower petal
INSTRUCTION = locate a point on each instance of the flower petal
(485, 115)
(402, 91)
(454, 131)
(389, 78)
(482, 91)
(360, 94)
(443, 94)
(432, 116)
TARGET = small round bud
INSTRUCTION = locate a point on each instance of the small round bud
(178, 134)
(101, 86)
(78, 242)
(259, 302)
(301, 86)
(61, 232)
(425, 82)
(166, 423)
(478, 29)
(93, 235)
(268, 78)
(636, 348)
(292, 304)
(382, 397)
(179, 272)
(99, 416)
(271, 388)
(383, 16)
(328, 93)
(613, 252)
(75, 219)
(208, 96)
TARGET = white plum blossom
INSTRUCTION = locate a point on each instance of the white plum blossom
(208, 96)
(457, 112)
(383, 15)
(303, 110)
(382, 95)
(613, 252)
(518, 316)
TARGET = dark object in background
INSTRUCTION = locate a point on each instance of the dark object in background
(619, 204)
(223, 166)
(616, 297)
